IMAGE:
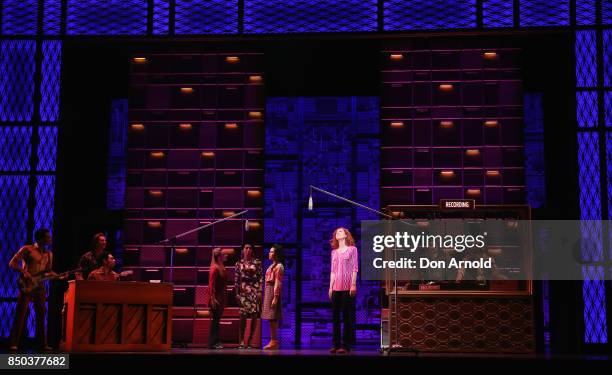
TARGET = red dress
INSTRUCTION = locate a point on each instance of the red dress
(217, 280)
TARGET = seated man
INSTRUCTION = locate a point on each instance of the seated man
(105, 272)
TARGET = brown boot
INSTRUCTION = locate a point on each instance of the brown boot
(272, 345)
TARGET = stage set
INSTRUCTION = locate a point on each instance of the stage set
(157, 138)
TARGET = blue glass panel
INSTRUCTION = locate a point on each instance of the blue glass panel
(106, 17)
(587, 112)
(17, 68)
(424, 14)
(50, 80)
(15, 148)
(544, 13)
(206, 17)
(19, 17)
(52, 17)
(586, 58)
(161, 17)
(497, 13)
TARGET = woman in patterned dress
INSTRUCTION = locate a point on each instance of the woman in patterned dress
(248, 277)
(343, 288)
(272, 297)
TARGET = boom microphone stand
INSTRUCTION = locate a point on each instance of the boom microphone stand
(396, 347)
(172, 242)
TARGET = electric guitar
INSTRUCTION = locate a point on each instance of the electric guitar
(37, 280)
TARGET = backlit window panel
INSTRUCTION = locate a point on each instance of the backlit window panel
(586, 109)
(606, 12)
(544, 13)
(279, 16)
(161, 14)
(52, 15)
(607, 57)
(47, 148)
(17, 68)
(585, 12)
(19, 17)
(497, 13)
(106, 17)
(427, 14)
(15, 148)
(588, 175)
(44, 196)
(586, 58)
(50, 80)
(206, 17)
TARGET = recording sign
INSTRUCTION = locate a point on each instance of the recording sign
(457, 204)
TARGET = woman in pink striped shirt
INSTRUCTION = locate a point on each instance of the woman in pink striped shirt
(343, 287)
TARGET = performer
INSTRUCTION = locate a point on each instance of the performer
(32, 261)
(217, 296)
(343, 287)
(248, 274)
(91, 259)
(105, 272)
(272, 297)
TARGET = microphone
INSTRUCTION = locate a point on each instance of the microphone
(246, 225)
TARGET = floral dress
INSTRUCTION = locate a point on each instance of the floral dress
(248, 278)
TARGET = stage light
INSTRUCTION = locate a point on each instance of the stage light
(137, 127)
(253, 193)
(310, 201)
(255, 115)
(396, 56)
(447, 174)
(255, 79)
(140, 60)
(187, 90)
(181, 250)
(232, 59)
(156, 193)
(397, 124)
(185, 126)
(157, 154)
(231, 125)
(154, 224)
(472, 152)
(446, 124)
(493, 173)
(490, 55)
(491, 123)
(228, 213)
(445, 87)
(246, 225)
(208, 154)
(473, 191)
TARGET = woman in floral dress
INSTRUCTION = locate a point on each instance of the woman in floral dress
(248, 277)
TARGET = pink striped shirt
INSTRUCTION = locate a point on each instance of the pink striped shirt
(343, 264)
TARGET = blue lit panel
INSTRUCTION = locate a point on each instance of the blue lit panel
(606, 12)
(609, 169)
(585, 12)
(206, 17)
(115, 193)
(608, 109)
(47, 148)
(278, 16)
(13, 233)
(594, 295)
(52, 17)
(544, 13)
(497, 13)
(44, 195)
(588, 175)
(19, 17)
(535, 175)
(161, 17)
(424, 14)
(106, 17)
(50, 80)
(607, 57)
(587, 113)
(586, 58)
(17, 68)
(15, 148)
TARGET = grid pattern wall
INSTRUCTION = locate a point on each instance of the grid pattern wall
(452, 126)
(195, 155)
(220, 17)
(29, 119)
(329, 142)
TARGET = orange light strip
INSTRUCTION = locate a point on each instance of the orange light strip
(472, 152)
(231, 125)
(255, 79)
(396, 56)
(255, 115)
(185, 126)
(447, 173)
(232, 59)
(157, 154)
(473, 192)
(446, 87)
(140, 60)
(154, 224)
(493, 173)
(397, 124)
(446, 124)
(208, 154)
(156, 193)
(490, 55)
(187, 90)
(137, 127)
(491, 123)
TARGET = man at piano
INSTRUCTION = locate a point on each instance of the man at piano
(105, 272)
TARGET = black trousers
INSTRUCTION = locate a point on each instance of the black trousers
(37, 297)
(215, 318)
(343, 305)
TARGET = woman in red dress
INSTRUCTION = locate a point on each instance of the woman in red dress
(217, 296)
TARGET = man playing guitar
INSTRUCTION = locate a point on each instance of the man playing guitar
(31, 261)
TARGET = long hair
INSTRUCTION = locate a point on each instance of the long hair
(349, 239)
(279, 253)
(217, 259)
(94, 240)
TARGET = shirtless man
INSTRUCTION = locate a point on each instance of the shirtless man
(30, 261)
